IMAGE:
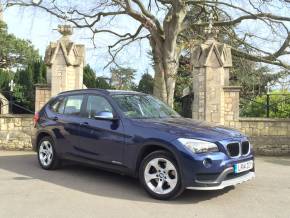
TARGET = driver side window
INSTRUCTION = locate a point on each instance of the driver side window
(96, 105)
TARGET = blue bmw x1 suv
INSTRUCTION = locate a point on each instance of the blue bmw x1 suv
(135, 134)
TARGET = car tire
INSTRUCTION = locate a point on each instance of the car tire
(160, 176)
(47, 157)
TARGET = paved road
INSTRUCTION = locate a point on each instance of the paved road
(75, 191)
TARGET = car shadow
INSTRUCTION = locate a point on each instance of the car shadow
(94, 181)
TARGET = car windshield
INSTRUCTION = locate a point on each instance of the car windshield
(143, 107)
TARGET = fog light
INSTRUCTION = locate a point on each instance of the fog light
(207, 162)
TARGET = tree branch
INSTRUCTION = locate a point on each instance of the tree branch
(246, 17)
(256, 58)
(114, 55)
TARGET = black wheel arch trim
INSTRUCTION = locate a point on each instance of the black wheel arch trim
(162, 146)
(47, 134)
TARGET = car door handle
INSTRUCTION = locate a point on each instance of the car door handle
(84, 124)
(55, 118)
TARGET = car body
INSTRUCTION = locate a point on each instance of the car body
(118, 140)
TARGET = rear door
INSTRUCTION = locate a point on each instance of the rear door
(71, 122)
(65, 117)
(100, 140)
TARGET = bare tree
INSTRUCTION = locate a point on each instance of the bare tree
(164, 22)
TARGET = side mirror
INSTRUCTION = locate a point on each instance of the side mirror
(105, 115)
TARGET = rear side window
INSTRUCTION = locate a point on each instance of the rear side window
(97, 104)
(73, 105)
(57, 105)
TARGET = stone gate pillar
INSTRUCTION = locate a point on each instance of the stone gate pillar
(211, 62)
(65, 62)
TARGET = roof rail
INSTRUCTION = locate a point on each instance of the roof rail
(84, 90)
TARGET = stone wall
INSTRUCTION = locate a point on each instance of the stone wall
(268, 136)
(15, 131)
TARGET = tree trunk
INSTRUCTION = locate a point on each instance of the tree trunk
(165, 67)
(166, 53)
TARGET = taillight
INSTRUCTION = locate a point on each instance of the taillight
(35, 118)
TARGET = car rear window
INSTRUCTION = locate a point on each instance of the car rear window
(57, 105)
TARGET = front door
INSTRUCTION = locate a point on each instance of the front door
(100, 140)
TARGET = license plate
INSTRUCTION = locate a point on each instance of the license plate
(244, 166)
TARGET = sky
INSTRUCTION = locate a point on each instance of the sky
(40, 28)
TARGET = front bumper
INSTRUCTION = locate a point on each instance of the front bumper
(223, 180)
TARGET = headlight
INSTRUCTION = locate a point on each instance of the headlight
(198, 146)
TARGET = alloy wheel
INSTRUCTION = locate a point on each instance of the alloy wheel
(45, 153)
(160, 176)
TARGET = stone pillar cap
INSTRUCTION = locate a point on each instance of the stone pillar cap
(65, 30)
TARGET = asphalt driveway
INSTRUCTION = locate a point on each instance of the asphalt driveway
(76, 191)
